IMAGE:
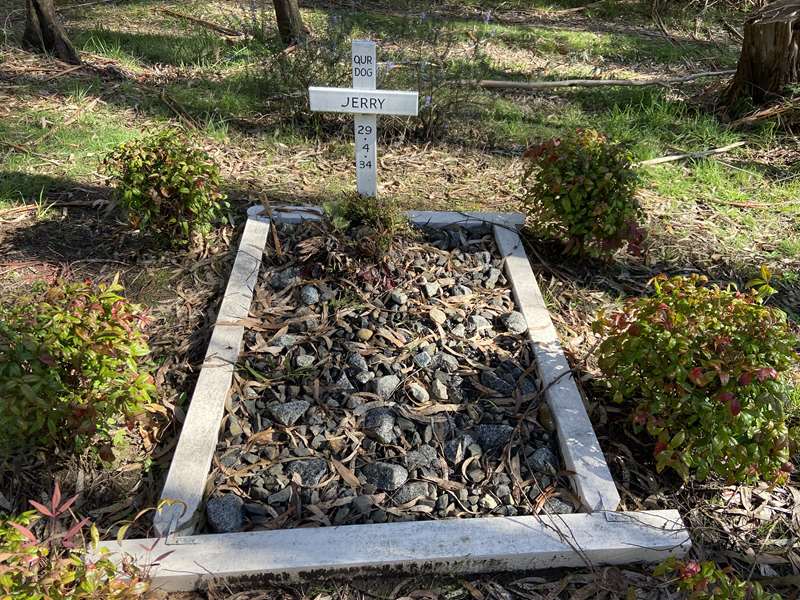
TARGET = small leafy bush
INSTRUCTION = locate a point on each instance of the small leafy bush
(168, 188)
(370, 223)
(70, 365)
(707, 581)
(54, 565)
(581, 188)
(706, 370)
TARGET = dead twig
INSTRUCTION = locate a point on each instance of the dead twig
(765, 113)
(545, 85)
(203, 23)
(701, 154)
(179, 111)
(64, 72)
(734, 33)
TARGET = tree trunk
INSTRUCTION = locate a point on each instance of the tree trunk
(43, 31)
(290, 23)
(769, 59)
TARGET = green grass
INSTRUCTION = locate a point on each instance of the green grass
(72, 152)
(136, 49)
(539, 40)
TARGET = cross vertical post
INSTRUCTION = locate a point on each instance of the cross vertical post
(365, 68)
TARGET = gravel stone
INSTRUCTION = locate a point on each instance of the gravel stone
(341, 515)
(364, 377)
(398, 297)
(304, 361)
(415, 459)
(256, 510)
(418, 392)
(410, 491)
(493, 382)
(455, 450)
(379, 424)
(446, 361)
(385, 476)
(235, 427)
(424, 456)
(544, 461)
(284, 278)
(288, 413)
(515, 323)
(257, 492)
(460, 290)
(431, 289)
(492, 277)
(475, 450)
(423, 359)
(488, 502)
(310, 471)
(558, 506)
(250, 458)
(309, 295)
(439, 389)
(225, 513)
(478, 323)
(459, 330)
(477, 475)
(364, 334)
(493, 436)
(343, 383)
(286, 340)
(379, 516)
(358, 362)
(362, 504)
(437, 316)
(384, 387)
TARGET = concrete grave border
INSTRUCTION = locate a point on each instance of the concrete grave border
(599, 535)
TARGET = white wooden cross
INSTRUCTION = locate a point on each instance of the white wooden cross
(366, 103)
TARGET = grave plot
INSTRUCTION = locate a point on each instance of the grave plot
(396, 390)
(444, 542)
(407, 392)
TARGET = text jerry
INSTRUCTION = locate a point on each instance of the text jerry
(365, 103)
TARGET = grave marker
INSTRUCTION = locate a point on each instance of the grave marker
(366, 103)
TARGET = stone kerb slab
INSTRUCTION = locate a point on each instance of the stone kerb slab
(447, 547)
(481, 544)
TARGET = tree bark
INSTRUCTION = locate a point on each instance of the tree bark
(290, 23)
(769, 59)
(43, 31)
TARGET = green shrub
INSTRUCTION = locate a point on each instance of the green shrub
(581, 188)
(70, 365)
(53, 565)
(706, 368)
(168, 188)
(707, 581)
(371, 224)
